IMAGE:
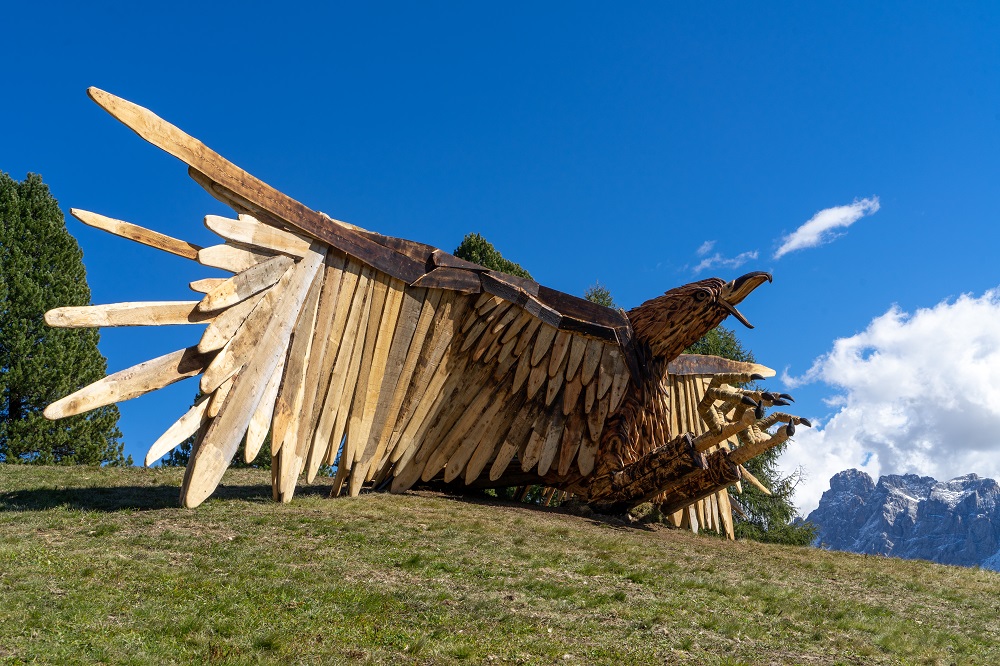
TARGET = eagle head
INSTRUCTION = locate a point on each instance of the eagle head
(671, 323)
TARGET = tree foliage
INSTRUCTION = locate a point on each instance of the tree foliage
(598, 293)
(478, 250)
(768, 519)
(41, 267)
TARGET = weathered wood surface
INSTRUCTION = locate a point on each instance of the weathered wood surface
(405, 364)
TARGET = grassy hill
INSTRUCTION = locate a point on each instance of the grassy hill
(100, 565)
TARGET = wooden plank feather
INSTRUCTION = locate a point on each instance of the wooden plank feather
(536, 441)
(218, 398)
(571, 395)
(543, 343)
(483, 426)
(219, 170)
(587, 457)
(492, 436)
(558, 354)
(260, 422)
(138, 234)
(553, 438)
(183, 428)
(143, 313)
(242, 345)
(514, 441)
(250, 231)
(230, 258)
(131, 382)
(578, 345)
(205, 285)
(225, 325)
(243, 285)
(326, 340)
(288, 405)
(572, 435)
(212, 455)
(591, 360)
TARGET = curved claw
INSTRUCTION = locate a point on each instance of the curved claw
(750, 402)
(756, 377)
(806, 422)
(785, 396)
(780, 402)
(790, 428)
(759, 411)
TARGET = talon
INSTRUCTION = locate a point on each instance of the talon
(756, 377)
(806, 422)
(767, 395)
(785, 396)
(747, 400)
(759, 411)
(780, 402)
(790, 428)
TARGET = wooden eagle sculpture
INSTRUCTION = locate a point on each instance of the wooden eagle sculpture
(401, 363)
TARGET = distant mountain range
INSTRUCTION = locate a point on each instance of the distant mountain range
(951, 522)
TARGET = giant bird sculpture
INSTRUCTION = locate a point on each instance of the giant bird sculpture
(402, 363)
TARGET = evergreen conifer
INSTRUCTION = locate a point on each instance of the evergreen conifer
(41, 267)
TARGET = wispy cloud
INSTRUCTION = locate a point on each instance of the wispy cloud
(726, 262)
(821, 228)
(705, 248)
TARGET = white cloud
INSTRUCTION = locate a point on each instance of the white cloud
(705, 248)
(920, 393)
(821, 227)
(727, 262)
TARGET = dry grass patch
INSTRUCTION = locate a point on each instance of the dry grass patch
(100, 565)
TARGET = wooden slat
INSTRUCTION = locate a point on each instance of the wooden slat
(359, 419)
(397, 373)
(250, 231)
(513, 442)
(726, 515)
(260, 422)
(144, 313)
(469, 415)
(243, 285)
(326, 339)
(345, 373)
(230, 258)
(218, 398)
(492, 436)
(590, 396)
(559, 350)
(523, 371)
(431, 363)
(211, 457)
(381, 382)
(578, 345)
(224, 326)
(605, 371)
(183, 428)
(619, 385)
(131, 382)
(572, 434)
(543, 343)
(553, 439)
(198, 156)
(571, 395)
(288, 405)
(591, 360)
(205, 285)
(587, 457)
(138, 234)
(484, 427)
(536, 441)
(408, 374)
(340, 342)
(242, 346)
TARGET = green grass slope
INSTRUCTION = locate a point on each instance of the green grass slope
(100, 565)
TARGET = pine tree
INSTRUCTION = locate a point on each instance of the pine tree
(598, 293)
(41, 267)
(477, 249)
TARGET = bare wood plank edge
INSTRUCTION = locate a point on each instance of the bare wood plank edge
(138, 234)
(131, 382)
(137, 313)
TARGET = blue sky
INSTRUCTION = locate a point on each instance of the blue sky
(587, 143)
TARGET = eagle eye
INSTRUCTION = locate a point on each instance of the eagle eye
(700, 295)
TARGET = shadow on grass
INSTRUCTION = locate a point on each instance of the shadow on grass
(131, 498)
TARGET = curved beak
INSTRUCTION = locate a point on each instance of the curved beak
(735, 291)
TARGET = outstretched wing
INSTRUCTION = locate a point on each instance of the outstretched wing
(396, 359)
